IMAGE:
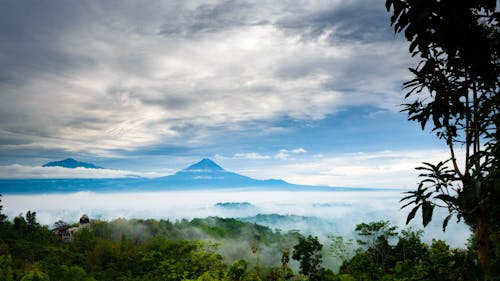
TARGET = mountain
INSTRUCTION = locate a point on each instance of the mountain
(207, 173)
(71, 163)
(204, 175)
(206, 165)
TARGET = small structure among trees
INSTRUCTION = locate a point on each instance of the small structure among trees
(65, 233)
(84, 221)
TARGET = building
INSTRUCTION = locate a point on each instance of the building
(65, 233)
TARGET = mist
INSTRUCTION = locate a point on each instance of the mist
(319, 213)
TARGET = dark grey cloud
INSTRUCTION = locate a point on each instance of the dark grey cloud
(210, 18)
(358, 20)
(364, 21)
(110, 78)
(31, 37)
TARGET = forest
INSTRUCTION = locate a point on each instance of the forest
(224, 249)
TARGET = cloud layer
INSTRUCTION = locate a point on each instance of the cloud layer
(337, 212)
(382, 169)
(17, 171)
(106, 78)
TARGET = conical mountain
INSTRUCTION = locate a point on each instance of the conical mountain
(207, 173)
(204, 165)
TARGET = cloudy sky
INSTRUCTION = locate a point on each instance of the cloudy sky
(307, 91)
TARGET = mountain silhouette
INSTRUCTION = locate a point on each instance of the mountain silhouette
(203, 175)
(71, 163)
(204, 165)
(207, 173)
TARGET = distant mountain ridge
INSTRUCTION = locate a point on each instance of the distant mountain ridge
(71, 164)
(203, 175)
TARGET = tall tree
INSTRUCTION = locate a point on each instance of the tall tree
(308, 253)
(376, 236)
(3, 217)
(455, 92)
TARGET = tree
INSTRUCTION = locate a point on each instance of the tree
(35, 275)
(376, 236)
(31, 220)
(373, 231)
(410, 247)
(61, 224)
(238, 270)
(307, 252)
(455, 92)
(3, 217)
(75, 273)
(6, 272)
(341, 249)
(20, 224)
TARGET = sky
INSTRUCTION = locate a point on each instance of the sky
(305, 91)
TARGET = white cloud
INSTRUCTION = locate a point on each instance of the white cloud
(298, 151)
(385, 169)
(250, 155)
(282, 155)
(37, 172)
(285, 154)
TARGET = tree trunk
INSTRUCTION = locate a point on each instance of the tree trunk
(483, 243)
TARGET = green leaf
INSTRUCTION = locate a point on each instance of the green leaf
(413, 194)
(446, 220)
(446, 198)
(399, 267)
(408, 204)
(388, 4)
(411, 215)
(427, 210)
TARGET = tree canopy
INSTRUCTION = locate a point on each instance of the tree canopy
(454, 92)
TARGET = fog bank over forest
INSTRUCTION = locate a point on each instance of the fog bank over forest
(319, 213)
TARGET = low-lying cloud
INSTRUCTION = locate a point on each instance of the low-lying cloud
(334, 213)
(383, 169)
(37, 172)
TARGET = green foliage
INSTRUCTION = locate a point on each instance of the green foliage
(31, 220)
(362, 266)
(342, 249)
(345, 277)
(74, 273)
(373, 232)
(135, 250)
(6, 272)
(139, 250)
(284, 272)
(3, 217)
(83, 241)
(238, 270)
(410, 259)
(455, 91)
(307, 252)
(35, 275)
(434, 190)
(410, 248)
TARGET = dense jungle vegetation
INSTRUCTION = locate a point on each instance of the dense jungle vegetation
(223, 249)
